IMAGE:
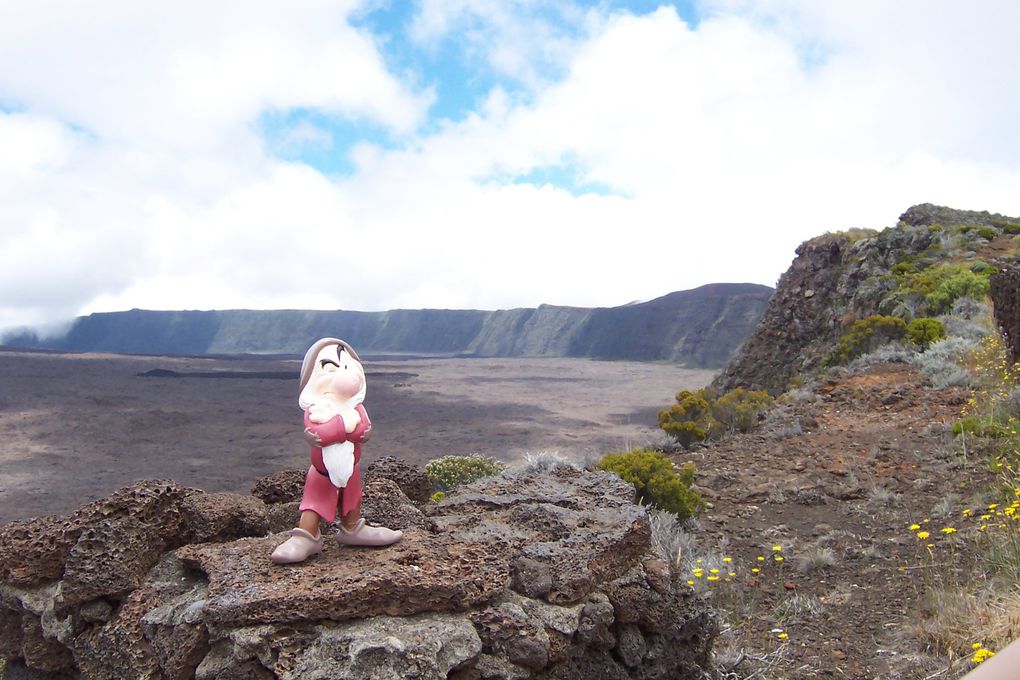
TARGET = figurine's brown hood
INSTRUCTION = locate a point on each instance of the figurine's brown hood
(309, 362)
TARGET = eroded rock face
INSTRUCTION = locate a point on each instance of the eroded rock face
(524, 575)
(1005, 292)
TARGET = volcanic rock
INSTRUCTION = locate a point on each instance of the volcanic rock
(522, 575)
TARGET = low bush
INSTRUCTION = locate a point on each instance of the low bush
(741, 409)
(449, 472)
(945, 284)
(942, 362)
(866, 336)
(690, 419)
(655, 480)
(923, 331)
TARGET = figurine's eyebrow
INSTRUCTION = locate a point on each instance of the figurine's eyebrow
(323, 362)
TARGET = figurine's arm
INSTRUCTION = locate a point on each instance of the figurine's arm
(364, 428)
(332, 431)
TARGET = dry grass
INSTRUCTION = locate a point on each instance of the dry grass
(882, 497)
(959, 619)
(816, 560)
(798, 608)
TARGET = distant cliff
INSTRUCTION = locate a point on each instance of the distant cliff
(700, 328)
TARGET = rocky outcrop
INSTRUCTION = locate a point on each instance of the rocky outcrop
(700, 327)
(524, 575)
(1005, 292)
(837, 279)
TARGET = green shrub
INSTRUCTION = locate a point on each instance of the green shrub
(940, 286)
(740, 409)
(1011, 228)
(655, 480)
(449, 472)
(690, 419)
(987, 232)
(924, 330)
(865, 336)
(982, 427)
(438, 496)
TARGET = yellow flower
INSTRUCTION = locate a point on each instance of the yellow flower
(982, 655)
(922, 535)
(993, 506)
(760, 558)
(755, 570)
(727, 560)
(976, 646)
(732, 574)
(713, 571)
(985, 518)
(948, 530)
(968, 512)
(779, 558)
(690, 583)
(915, 527)
(783, 636)
(713, 578)
(777, 548)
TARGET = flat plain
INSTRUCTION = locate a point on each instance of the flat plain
(75, 427)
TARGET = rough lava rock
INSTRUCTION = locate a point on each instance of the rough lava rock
(524, 575)
(413, 482)
(1005, 292)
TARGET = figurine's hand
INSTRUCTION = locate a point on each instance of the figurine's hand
(312, 438)
(365, 435)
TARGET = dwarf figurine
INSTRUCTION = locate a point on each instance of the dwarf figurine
(332, 389)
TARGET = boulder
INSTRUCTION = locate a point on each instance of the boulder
(412, 481)
(523, 575)
(223, 517)
(280, 487)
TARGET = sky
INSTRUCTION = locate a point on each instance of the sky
(487, 154)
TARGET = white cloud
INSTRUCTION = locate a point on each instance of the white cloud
(518, 39)
(134, 173)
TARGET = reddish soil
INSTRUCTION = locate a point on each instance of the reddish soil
(872, 458)
(76, 427)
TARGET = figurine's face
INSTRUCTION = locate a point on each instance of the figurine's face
(336, 374)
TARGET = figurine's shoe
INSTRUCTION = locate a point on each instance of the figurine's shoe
(299, 547)
(362, 534)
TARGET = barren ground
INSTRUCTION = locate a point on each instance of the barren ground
(849, 474)
(76, 427)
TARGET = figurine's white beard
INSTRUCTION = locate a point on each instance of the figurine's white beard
(339, 462)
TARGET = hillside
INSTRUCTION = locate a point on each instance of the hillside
(918, 268)
(869, 525)
(702, 327)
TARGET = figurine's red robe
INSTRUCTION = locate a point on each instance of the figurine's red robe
(320, 495)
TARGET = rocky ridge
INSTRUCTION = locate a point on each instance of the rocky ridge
(837, 279)
(526, 575)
